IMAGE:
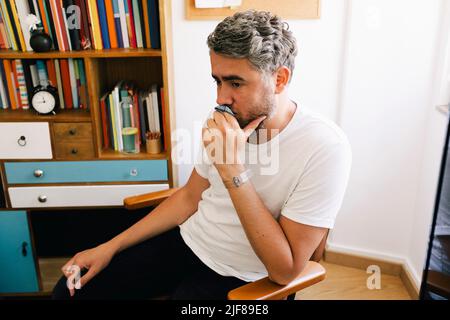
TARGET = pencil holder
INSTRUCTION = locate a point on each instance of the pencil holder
(153, 145)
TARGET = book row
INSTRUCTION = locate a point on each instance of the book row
(82, 24)
(19, 78)
(127, 107)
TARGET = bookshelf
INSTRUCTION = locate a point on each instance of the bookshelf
(73, 138)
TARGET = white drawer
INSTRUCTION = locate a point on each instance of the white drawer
(25, 140)
(78, 196)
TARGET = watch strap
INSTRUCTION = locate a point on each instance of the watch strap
(238, 180)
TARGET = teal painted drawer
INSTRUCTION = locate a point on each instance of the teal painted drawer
(86, 171)
(18, 269)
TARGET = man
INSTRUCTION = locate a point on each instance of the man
(238, 219)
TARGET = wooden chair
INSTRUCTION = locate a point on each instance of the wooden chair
(263, 289)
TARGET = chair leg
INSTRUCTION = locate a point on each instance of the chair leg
(291, 297)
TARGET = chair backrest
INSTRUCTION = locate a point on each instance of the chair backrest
(318, 253)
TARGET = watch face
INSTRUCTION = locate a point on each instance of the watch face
(43, 102)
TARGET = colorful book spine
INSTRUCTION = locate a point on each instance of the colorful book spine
(59, 84)
(22, 85)
(95, 24)
(103, 23)
(137, 24)
(111, 24)
(130, 23)
(153, 16)
(117, 23)
(123, 24)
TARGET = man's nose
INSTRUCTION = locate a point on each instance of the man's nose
(224, 96)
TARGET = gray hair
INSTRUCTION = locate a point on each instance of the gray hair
(259, 36)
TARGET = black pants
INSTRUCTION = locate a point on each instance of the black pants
(163, 265)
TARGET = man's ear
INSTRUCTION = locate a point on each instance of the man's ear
(283, 74)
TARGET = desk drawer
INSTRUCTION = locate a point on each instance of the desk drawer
(72, 131)
(74, 150)
(77, 196)
(25, 140)
(86, 171)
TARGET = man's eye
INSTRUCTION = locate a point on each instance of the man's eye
(235, 84)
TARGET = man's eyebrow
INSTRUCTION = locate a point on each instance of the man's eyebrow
(230, 77)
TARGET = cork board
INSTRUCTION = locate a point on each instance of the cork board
(286, 9)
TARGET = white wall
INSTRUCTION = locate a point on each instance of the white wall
(387, 99)
(369, 65)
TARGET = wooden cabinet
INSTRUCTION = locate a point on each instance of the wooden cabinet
(57, 161)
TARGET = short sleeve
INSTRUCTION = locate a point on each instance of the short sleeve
(201, 164)
(319, 191)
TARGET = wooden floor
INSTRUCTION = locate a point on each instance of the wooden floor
(345, 283)
(341, 283)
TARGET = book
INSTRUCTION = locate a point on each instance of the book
(73, 83)
(59, 84)
(23, 10)
(85, 33)
(123, 24)
(57, 25)
(34, 73)
(117, 23)
(73, 23)
(146, 23)
(104, 121)
(22, 85)
(9, 83)
(153, 16)
(16, 25)
(103, 23)
(9, 26)
(51, 24)
(111, 23)
(65, 78)
(137, 23)
(95, 24)
(130, 23)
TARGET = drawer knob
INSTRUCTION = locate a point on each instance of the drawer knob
(74, 151)
(73, 132)
(133, 172)
(24, 249)
(38, 173)
(42, 199)
(22, 141)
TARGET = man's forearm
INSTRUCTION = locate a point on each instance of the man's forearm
(170, 213)
(264, 233)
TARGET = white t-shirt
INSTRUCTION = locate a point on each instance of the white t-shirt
(302, 174)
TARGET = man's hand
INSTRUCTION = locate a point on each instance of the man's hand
(224, 140)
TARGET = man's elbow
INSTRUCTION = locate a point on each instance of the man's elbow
(285, 277)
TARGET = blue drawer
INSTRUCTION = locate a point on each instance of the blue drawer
(17, 265)
(86, 171)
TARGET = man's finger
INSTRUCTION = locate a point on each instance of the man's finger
(252, 126)
(88, 276)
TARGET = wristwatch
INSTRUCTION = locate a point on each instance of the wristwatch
(239, 180)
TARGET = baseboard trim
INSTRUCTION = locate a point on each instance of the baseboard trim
(363, 261)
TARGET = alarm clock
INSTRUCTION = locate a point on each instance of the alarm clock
(45, 99)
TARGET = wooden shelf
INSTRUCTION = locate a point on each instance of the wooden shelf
(108, 154)
(105, 53)
(66, 115)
